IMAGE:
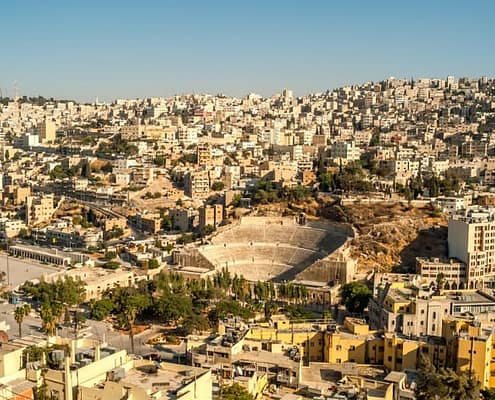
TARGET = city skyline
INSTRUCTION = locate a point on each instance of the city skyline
(114, 52)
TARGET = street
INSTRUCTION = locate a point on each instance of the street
(98, 330)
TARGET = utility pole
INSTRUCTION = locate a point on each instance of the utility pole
(8, 267)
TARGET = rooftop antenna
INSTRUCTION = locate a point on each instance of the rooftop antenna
(16, 94)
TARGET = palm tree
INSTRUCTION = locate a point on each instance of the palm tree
(132, 305)
(19, 314)
(48, 320)
(129, 314)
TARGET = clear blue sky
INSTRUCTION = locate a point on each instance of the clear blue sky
(111, 49)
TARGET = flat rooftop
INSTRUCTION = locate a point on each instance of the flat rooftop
(471, 297)
(41, 250)
(164, 377)
(266, 357)
(9, 347)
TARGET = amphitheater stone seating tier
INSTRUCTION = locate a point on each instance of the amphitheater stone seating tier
(275, 249)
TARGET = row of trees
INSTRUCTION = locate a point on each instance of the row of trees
(118, 145)
(269, 192)
(55, 299)
(349, 178)
(433, 185)
(195, 305)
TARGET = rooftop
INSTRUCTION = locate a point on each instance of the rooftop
(470, 297)
(165, 377)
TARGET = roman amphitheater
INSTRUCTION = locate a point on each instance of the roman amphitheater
(276, 249)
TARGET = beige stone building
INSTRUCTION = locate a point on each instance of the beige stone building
(210, 215)
(197, 184)
(39, 209)
(46, 131)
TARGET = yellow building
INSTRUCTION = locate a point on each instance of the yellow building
(354, 342)
(309, 339)
(472, 347)
(401, 353)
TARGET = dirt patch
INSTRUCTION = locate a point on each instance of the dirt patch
(391, 235)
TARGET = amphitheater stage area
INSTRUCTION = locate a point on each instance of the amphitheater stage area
(273, 249)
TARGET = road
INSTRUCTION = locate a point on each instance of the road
(98, 330)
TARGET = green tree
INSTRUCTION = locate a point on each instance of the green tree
(19, 314)
(131, 306)
(440, 279)
(100, 309)
(48, 320)
(153, 263)
(327, 182)
(195, 323)
(443, 383)
(173, 307)
(208, 230)
(488, 394)
(235, 392)
(217, 186)
(159, 161)
(355, 296)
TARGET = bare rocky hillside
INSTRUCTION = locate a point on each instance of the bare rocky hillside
(391, 235)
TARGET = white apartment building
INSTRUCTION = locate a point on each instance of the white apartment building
(452, 204)
(345, 151)
(471, 239)
(187, 136)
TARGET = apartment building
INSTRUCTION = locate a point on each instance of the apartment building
(39, 209)
(210, 215)
(197, 184)
(203, 155)
(345, 151)
(10, 228)
(471, 239)
(46, 131)
(453, 273)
